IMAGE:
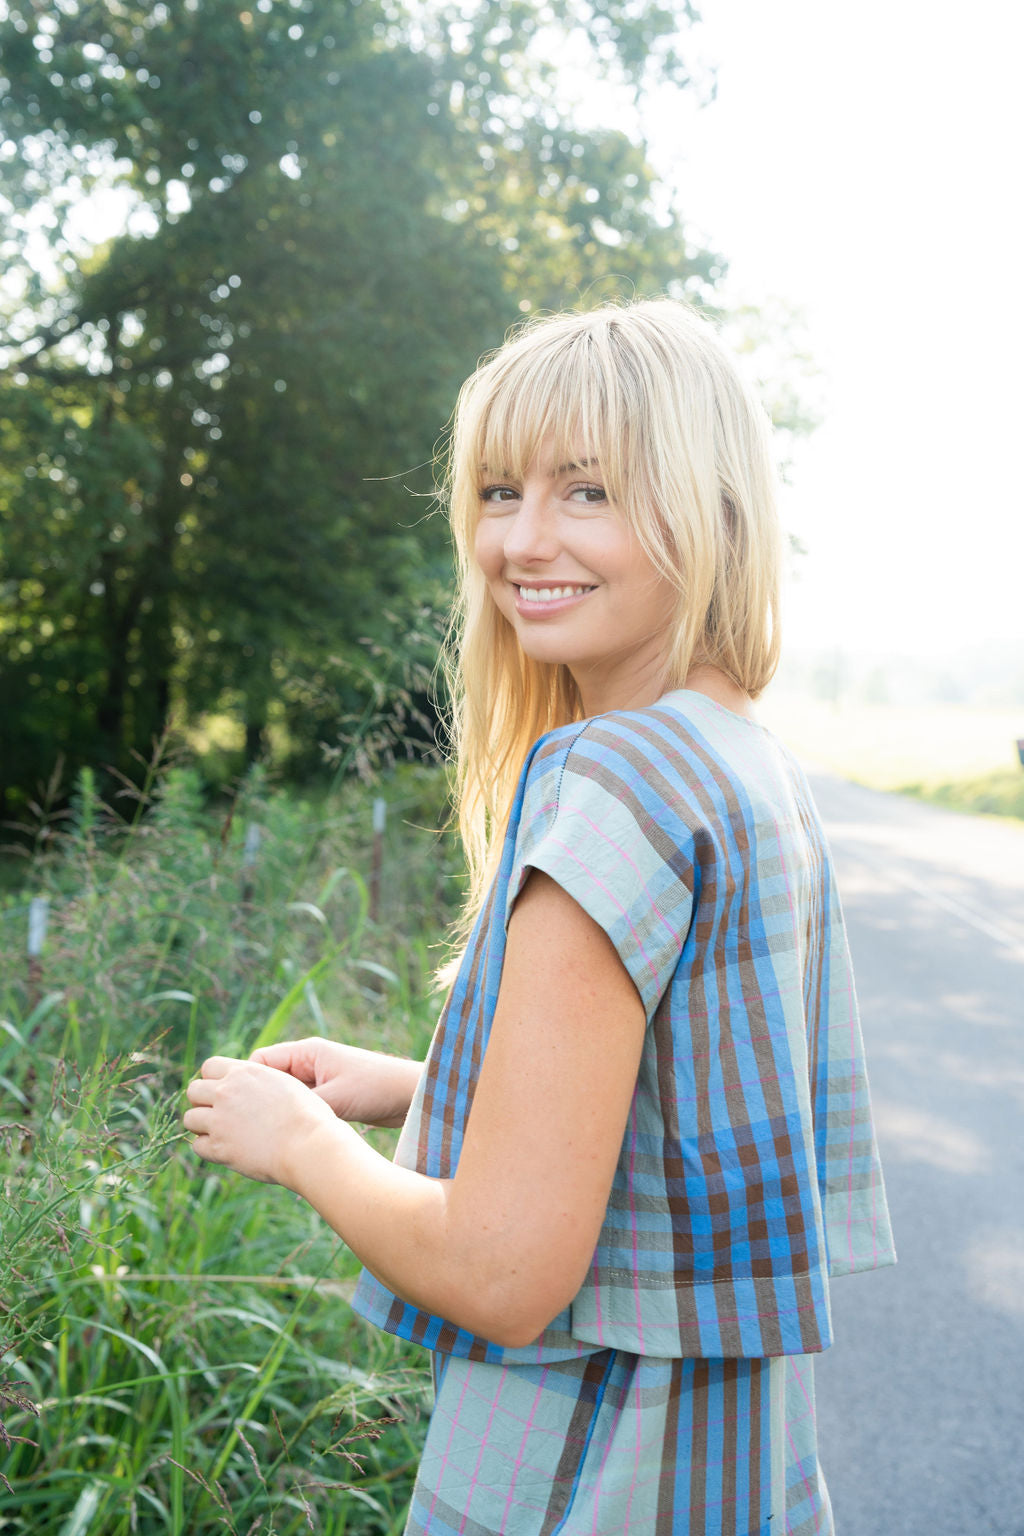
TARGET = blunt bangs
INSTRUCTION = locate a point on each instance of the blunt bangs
(547, 389)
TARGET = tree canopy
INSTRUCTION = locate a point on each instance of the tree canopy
(210, 426)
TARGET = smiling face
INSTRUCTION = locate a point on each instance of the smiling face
(573, 580)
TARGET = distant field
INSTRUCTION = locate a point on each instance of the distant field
(891, 747)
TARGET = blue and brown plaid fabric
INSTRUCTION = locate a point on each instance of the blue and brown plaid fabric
(616, 1444)
(748, 1172)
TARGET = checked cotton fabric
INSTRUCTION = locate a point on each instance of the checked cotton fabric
(748, 1173)
(627, 1445)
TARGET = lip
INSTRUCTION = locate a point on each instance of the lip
(535, 610)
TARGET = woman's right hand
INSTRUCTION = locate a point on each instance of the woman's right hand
(358, 1085)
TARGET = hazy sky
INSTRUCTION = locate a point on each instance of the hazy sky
(864, 162)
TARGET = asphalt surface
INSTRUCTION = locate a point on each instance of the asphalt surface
(921, 1398)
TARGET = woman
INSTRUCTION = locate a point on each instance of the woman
(621, 1256)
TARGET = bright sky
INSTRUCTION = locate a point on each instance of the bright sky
(864, 162)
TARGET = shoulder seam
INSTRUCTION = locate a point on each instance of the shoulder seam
(584, 726)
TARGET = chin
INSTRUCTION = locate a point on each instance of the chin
(535, 648)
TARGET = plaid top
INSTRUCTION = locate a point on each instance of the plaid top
(748, 1171)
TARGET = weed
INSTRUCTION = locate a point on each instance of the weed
(177, 1351)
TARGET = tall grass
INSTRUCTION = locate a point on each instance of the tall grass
(179, 1354)
(1000, 793)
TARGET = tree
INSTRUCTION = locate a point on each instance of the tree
(336, 208)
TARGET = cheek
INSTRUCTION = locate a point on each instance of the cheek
(663, 598)
(489, 548)
(653, 596)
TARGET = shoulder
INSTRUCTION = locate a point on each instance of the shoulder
(603, 815)
(628, 740)
(665, 755)
(604, 783)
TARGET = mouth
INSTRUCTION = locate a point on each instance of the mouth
(544, 598)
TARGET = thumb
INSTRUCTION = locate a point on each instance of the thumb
(291, 1056)
(219, 1066)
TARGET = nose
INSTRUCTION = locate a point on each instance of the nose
(531, 538)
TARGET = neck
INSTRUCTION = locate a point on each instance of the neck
(597, 697)
(714, 684)
(640, 682)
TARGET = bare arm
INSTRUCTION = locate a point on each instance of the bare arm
(503, 1246)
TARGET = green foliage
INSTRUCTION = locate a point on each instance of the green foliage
(209, 430)
(1000, 793)
(184, 1358)
(176, 1348)
(225, 913)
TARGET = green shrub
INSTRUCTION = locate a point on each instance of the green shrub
(1000, 793)
(179, 1352)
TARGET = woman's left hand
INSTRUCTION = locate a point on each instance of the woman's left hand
(253, 1119)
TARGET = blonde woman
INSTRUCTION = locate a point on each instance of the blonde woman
(641, 1143)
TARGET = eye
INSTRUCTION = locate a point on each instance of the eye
(498, 494)
(588, 495)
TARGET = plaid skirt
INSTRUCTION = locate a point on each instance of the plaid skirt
(612, 1443)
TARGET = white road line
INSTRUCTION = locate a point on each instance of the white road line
(939, 899)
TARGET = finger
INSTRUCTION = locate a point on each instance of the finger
(219, 1066)
(278, 1056)
(199, 1091)
(198, 1121)
(296, 1057)
(203, 1146)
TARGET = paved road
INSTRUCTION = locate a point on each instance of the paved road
(921, 1400)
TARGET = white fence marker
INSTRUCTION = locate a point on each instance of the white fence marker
(38, 917)
(380, 818)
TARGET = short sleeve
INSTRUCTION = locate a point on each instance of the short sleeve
(598, 822)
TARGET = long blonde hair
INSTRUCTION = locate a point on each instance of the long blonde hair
(649, 391)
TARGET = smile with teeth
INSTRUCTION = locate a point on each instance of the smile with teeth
(550, 594)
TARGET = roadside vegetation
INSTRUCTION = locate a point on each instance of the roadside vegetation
(1000, 793)
(179, 1354)
(958, 756)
